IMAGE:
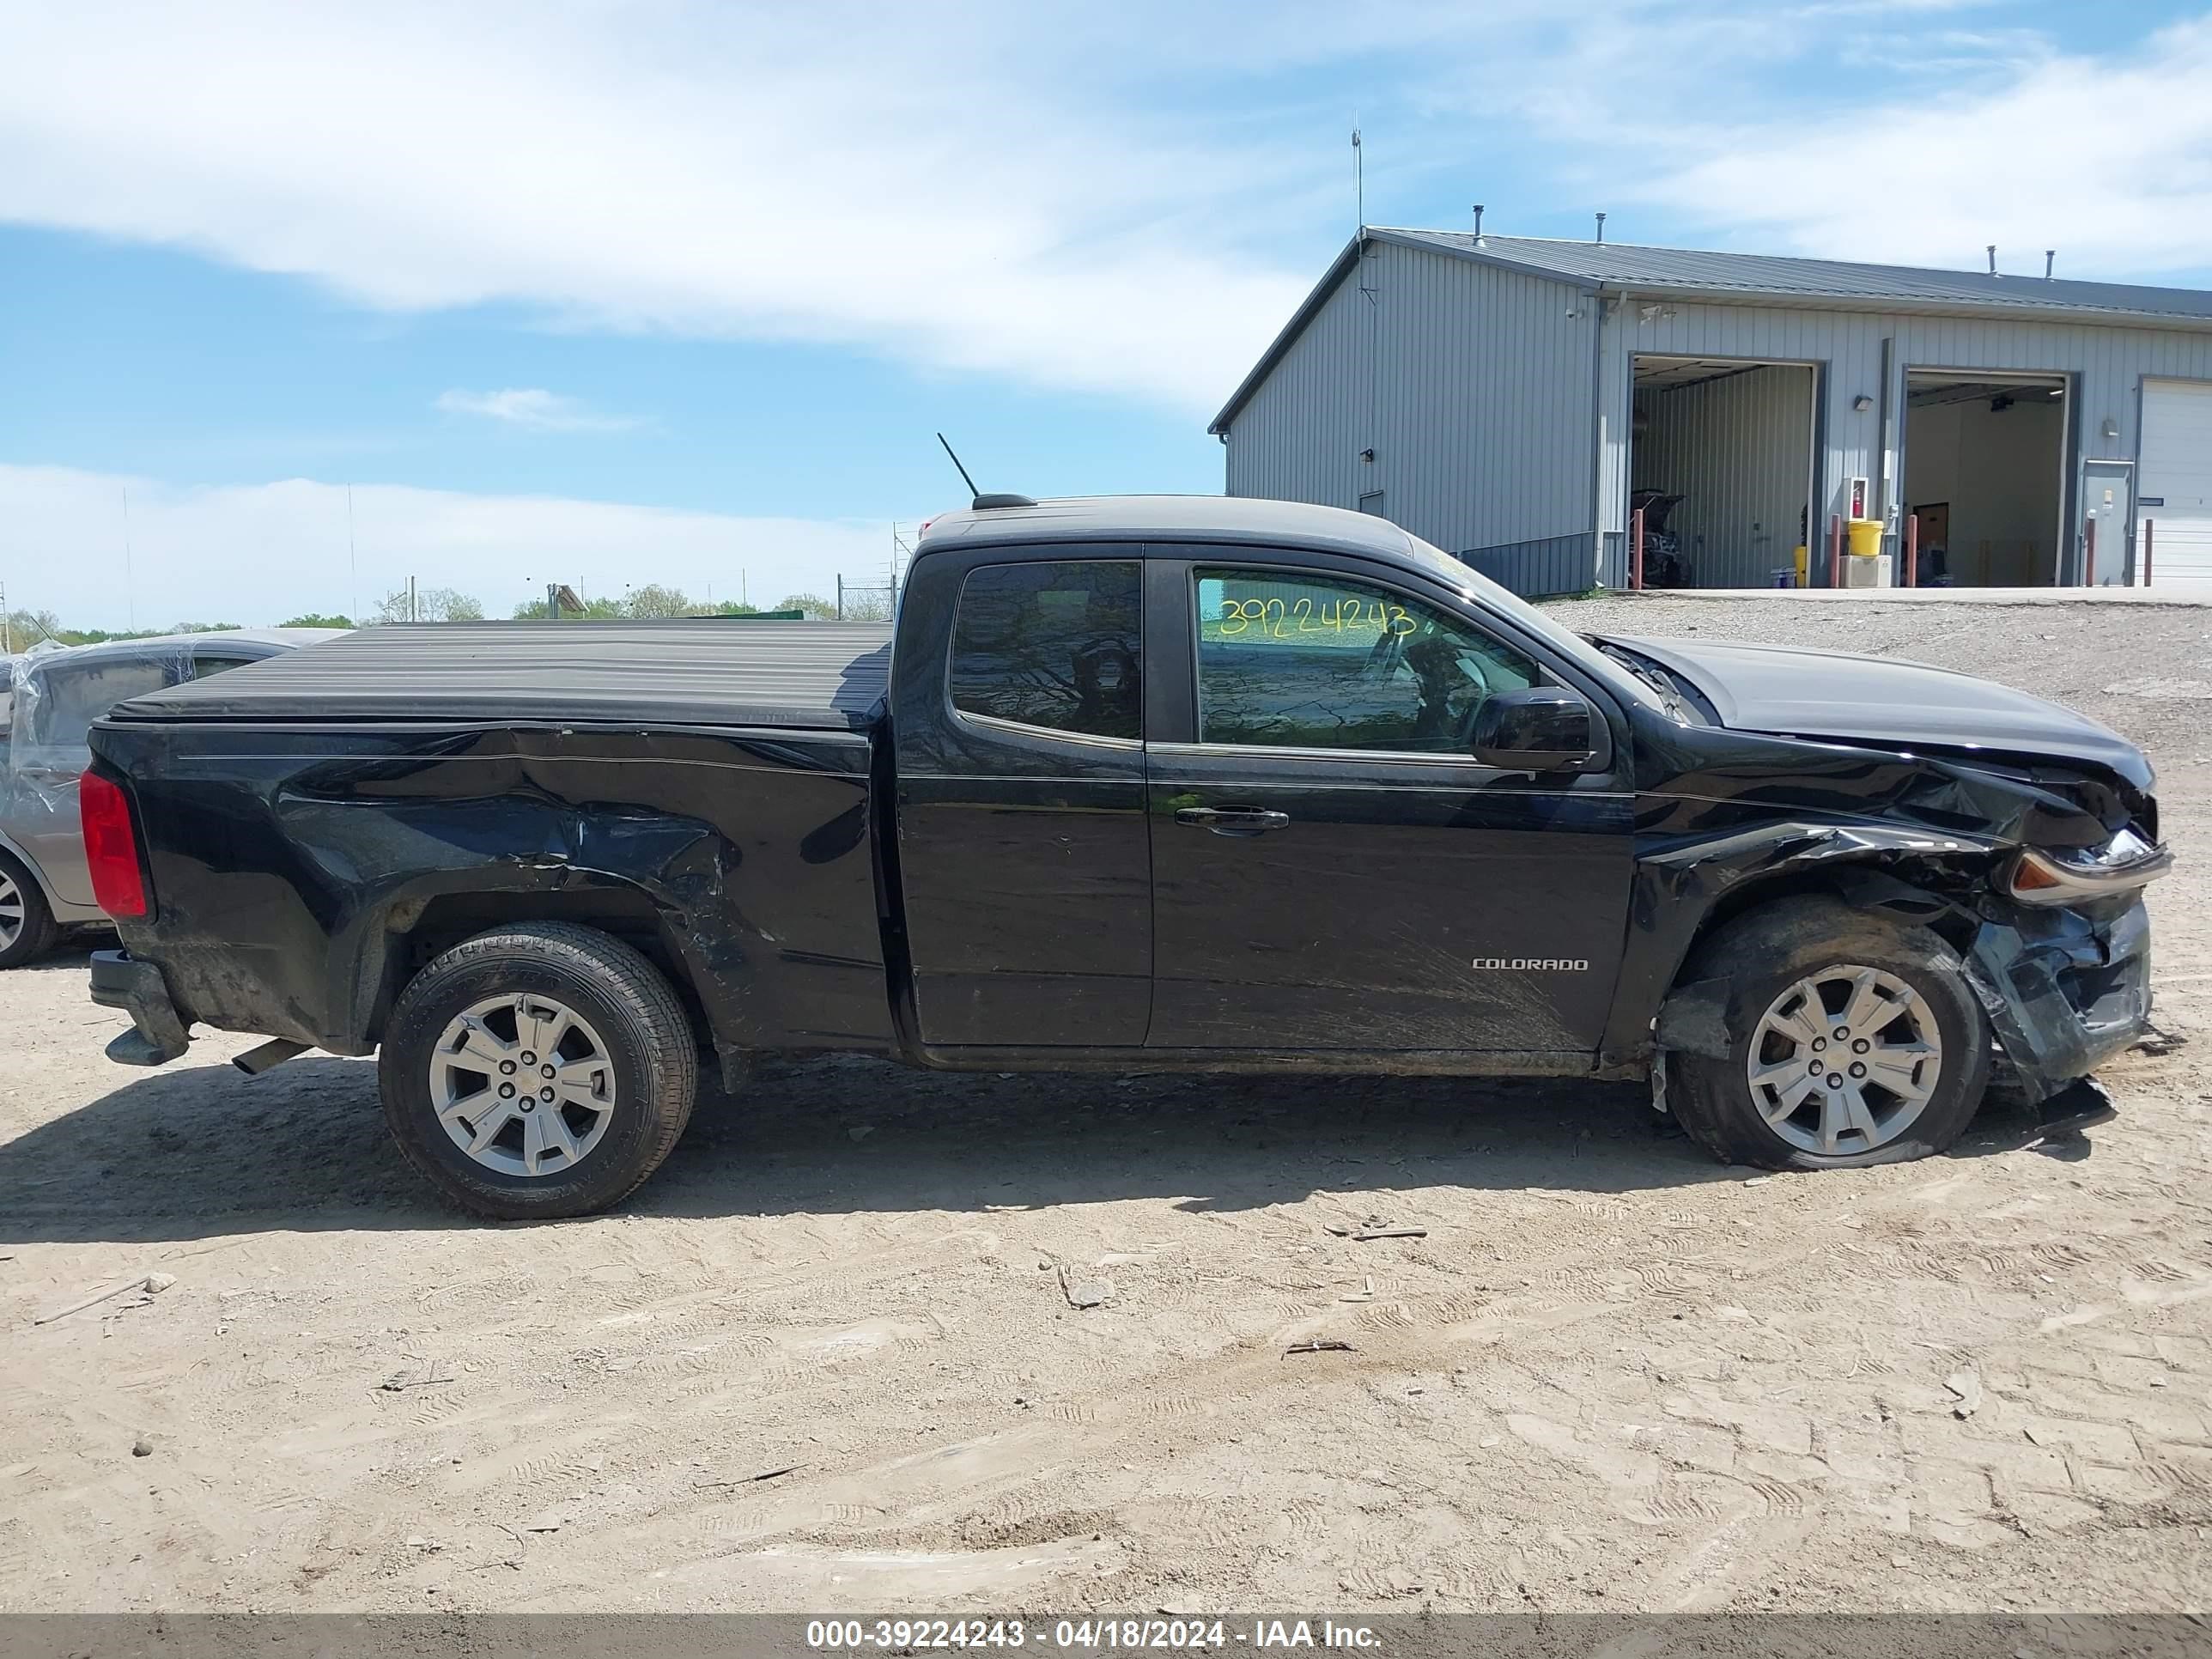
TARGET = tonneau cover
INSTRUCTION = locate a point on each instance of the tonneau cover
(707, 672)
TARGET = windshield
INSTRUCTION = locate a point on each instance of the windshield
(1568, 643)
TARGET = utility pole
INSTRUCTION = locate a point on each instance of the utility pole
(129, 599)
(7, 625)
(413, 613)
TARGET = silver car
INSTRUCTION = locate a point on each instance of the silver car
(47, 702)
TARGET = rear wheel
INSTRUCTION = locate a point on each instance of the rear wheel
(539, 1071)
(27, 922)
(1852, 1040)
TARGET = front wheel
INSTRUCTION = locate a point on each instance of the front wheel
(1852, 1040)
(539, 1071)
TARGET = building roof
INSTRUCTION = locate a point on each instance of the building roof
(1763, 276)
(1761, 279)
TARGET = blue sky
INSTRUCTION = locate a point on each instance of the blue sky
(668, 291)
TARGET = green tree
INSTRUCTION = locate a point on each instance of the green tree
(816, 608)
(654, 600)
(316, 619)
(430, 605)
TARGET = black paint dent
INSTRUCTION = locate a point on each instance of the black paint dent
(300, 874)
(1727, 818)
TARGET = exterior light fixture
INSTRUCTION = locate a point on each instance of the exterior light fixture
(1861, 403)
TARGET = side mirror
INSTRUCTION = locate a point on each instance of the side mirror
(1545, 728)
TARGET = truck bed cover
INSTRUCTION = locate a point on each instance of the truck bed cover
(816, 676)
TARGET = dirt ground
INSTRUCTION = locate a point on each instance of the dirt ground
(830, 1358)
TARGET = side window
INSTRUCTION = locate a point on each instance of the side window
(1058, 645)
(203, 666)
(1314, 662)
(73, 697)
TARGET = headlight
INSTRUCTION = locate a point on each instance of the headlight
(2120, 865)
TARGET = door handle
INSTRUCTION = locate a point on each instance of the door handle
(1233, 820)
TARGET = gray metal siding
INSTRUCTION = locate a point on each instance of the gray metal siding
(1739, 452)
(1473, 386)
(1541, 568)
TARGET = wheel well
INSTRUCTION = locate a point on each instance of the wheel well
(443, 921)
(1923, 894)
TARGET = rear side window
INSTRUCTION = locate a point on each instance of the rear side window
(73, 697)
(1058, 645)
(203, 667)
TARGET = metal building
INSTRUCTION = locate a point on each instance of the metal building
(1509, 398)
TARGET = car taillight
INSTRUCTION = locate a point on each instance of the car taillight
(110, 847)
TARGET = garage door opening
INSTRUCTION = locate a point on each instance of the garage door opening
(1984, 462)
(1721, 460)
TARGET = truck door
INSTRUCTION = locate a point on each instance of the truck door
(1332, 868)
(1023, 852)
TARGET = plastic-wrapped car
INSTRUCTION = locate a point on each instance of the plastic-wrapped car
(47, 701)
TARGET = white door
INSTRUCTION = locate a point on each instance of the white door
(2174, 480)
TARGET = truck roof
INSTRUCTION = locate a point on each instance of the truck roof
(1231, 520)
(816, 676)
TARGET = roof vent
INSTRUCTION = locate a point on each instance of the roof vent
(1993, 258)
(2049, 257)
(985, 503)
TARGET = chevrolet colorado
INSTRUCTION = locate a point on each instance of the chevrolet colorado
(1148, 783)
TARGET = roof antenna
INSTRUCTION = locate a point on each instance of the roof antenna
(980, 500)
(1477, 224)
(1601, 226)
(1993, 258)
(1358, 180)
(2049, 255)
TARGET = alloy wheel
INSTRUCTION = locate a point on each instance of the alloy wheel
(1844, 1061)
(523, 1084)
(13, 911)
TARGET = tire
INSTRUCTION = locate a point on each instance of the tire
(1916, 1083)
(615, 1086)
(27, 920)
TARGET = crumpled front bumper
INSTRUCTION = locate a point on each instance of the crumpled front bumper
(157, 1035)
(2064, 990)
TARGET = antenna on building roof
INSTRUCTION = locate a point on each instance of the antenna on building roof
(1601, 226)
(2050, 256)
(1477, 223)
(1358, 180)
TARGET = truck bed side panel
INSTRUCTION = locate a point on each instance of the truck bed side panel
(299, 871)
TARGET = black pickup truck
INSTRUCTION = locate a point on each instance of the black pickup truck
(1154, 783)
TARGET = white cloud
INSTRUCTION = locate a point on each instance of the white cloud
(2108, 158)
(961, 193)
(1877, 130)
(260, 553)
(533, 407)
(1128, 199)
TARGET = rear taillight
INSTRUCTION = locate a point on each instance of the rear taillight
(110, 847)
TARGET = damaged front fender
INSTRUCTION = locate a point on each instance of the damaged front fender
(2065, 991)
